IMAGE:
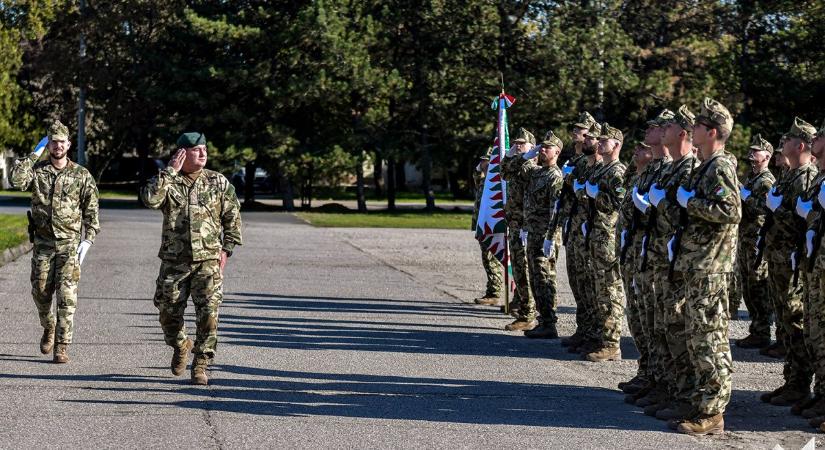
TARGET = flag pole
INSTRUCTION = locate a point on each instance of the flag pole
(506, 233)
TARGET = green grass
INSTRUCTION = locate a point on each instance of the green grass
(12, 231)
(455, 221)
(104, 193)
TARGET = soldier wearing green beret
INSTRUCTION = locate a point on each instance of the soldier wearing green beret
(492, 267)
(64, 219)
(784, 253)
(201, 227)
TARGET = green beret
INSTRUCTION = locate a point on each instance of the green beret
(609, 132)
(58, 132)
(525, 136)
(550, 139)
(715, 115)
(759, 144)
(802, 130)
(192, 139)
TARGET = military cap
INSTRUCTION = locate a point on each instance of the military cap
(585, 121)
(664, 118)
(759, 144)
(525, 136)
(609, 132)
(191, 139)
(58, 131)
(640, 139)
(802, 130)
(594, 131)
(550, 138)
(684, 118)
(715, 114)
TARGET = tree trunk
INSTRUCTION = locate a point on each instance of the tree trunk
(289, 196)
(426, 170)
(391, 179)
(359, 185)
(400, 176)
(378, 175)
(249, 183)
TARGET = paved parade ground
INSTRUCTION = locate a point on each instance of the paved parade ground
(331, 338)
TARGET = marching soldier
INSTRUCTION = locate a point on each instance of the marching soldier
(492, 268)
(63, 226)
(754, 213)
(201, 227)
(605, 189)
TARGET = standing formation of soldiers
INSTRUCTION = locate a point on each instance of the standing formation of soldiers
(674, 246)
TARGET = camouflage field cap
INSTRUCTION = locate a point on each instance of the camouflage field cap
(191, 139)
(715, 114)
(551, 139)
(594, 131)
(524, 136)
(58, 132)
(664, 118)
(585, 121)
(802, 130)
(609, 132)
(684, 117)
(640, 140)
(759, 144)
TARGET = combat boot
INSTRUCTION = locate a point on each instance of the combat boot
(822, 427)
(637, 380)
(815, 410)
(632, 398)
(543, 331)
(521, 325)
(702, 425)
(776, 350)
(651, 410)
(61, 353)
(804, 404)
(487, 300)
(180, 357)
(587, 346)
(573, 340)
(790, 396)
(199, 366)
(633, 388)
(655, 395)
(676, 411)
(47, 341)
(605, 354)
(754, 341)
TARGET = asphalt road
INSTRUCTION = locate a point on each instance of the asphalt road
(330, 338)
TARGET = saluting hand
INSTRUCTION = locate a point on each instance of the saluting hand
(177, 159)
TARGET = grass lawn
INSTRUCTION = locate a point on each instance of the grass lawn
(447, 220)
(12, 230)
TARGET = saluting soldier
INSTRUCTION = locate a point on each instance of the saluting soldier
(64, 220)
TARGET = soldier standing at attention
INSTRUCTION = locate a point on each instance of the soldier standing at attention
(703, 250)
(491, 265)
(201, 227)
(64, 198)
(754, 213)
(605, 190)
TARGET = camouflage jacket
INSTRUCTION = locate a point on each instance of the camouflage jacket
(478, 181)
(814, 219)
(610, 180)
(200, 218)
(62, 200)
(583, 206)
(578, 164)
(513, 171)
(629, 213)
(788, 228)
(754, 211)
(709, 240)
(543, 189)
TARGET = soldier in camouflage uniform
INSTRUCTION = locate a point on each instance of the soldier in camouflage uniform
(605, 191)
(64, 206)
(492, 267)
(784, 251)
(703, 249)
(201, 227)
(568, 207)
(511, 170)
(542, 189)
(754, 213)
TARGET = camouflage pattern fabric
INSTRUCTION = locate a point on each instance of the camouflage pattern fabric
(518, 263)
(735, 289)
(579, 164)
(581, 254)
(55, 269)
(633, 309)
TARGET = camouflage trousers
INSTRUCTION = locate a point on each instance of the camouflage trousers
(645, 298)
(608, 291)
(814, 326)
(542, 277)
(707, 320)
(634, 312)
(662, 297)
(755, 291)
(518, 262)
(55, 269)
(586, 310)
(176, 282)
(788, 306)
(678, 365)
(735, 290)
(492, 267)
(574, 272)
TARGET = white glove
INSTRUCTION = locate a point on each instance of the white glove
(566, 226)
(548, 248)
(773, 201)
(821, 196)
(644, 247)
(567, 169)
(803, 207)
(809, 242)
(531, 153)
(82, 249)
(38, 149)
(592, 189)
(642, 203)
(794, 263)
(523, 236)
(670, 252)
(656, 194)
(758, 241)
(622, 238)
(584, 229)
(577, 186)
(683, 196)
(744, 193)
